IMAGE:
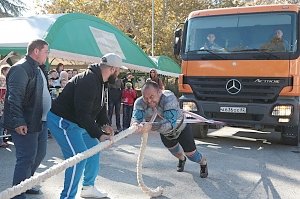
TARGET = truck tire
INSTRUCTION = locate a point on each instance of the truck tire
(199, 130)
(290, 135)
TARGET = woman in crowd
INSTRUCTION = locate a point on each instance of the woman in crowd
(153, 76)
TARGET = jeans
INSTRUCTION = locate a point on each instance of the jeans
(73, 140)
(117, 106)
(1, 134)
(30, 151)
(127, 114)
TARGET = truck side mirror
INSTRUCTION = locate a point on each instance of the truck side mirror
(177, 41)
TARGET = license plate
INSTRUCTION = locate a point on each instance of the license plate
(225, 109)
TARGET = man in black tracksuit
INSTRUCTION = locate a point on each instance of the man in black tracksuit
(78, 120)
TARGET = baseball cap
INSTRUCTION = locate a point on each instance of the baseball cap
(111, 59)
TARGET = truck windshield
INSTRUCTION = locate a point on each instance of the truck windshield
(239, 34)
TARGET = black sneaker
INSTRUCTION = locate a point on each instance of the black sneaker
(203, 171)
(33, 191)
(180, 166)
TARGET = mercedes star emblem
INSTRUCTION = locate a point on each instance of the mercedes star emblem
(233, 86)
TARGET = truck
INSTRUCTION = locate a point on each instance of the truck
(243, 80)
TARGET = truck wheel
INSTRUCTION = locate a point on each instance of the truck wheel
(290, 135)
(200, 131)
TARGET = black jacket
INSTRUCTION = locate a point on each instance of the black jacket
(82, 101)
(23, 100)
(115, 91)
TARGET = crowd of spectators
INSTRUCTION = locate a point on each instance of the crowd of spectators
(121, 94)
(58, 78)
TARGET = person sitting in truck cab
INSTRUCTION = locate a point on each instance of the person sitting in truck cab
(211, 44)
(277, 43)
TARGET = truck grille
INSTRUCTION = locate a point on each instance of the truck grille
(252, 90)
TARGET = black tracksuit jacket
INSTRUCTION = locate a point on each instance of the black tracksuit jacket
(82, 101)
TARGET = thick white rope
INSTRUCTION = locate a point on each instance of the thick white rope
(38, 178)
(4, 136)
(159, 190)
(151, 192)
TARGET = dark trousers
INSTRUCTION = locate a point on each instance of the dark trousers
(30, 151)
(1, 132)
(127, 114)
(185, 139)
(117, 106)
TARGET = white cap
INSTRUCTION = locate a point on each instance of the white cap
(111, 59)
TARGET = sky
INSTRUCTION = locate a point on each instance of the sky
(30, 4)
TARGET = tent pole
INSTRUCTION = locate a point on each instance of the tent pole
(152, 46)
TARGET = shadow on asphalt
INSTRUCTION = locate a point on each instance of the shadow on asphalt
(129, 177)
(241, 144)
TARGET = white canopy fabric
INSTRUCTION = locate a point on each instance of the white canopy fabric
(74, 38)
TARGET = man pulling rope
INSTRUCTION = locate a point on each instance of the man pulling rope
(78, 121)
(175, 134)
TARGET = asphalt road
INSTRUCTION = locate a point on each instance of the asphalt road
(241, 164)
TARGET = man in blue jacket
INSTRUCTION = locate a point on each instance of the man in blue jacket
(26, 105)
(78, 120)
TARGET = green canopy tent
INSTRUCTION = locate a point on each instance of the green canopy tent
(166, 66)
(73, 38)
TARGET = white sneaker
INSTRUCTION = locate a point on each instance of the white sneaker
(91, 192)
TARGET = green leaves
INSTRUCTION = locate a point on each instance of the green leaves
(134, 17)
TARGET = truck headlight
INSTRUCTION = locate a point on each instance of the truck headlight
(282, 110)
(189, 106)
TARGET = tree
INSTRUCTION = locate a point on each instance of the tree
(11, 8)
(134, 17)
(168, 14)
(82, 6)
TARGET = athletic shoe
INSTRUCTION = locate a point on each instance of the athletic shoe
(33, 191)
(203, 170)
(91, 192)
(180, 166)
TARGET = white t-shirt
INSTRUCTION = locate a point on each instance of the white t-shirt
(46, 98)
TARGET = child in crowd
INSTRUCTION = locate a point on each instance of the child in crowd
(128, 98)
(63, 83)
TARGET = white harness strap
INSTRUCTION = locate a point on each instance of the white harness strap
(200, 119)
